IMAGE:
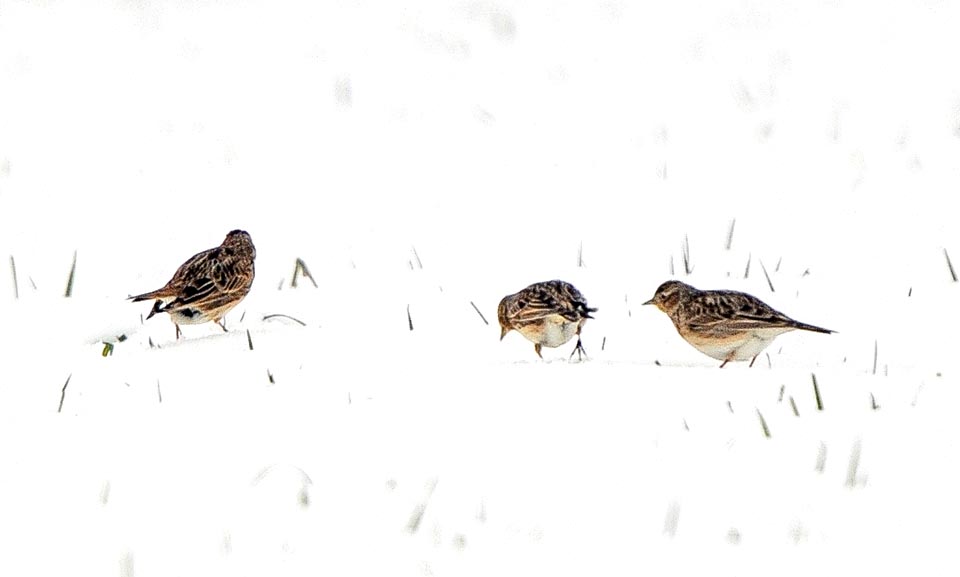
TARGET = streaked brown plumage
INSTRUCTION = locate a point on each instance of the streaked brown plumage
(208, 285)
(547, 314)
(726, 325)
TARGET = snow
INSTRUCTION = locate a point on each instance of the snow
(431, 157)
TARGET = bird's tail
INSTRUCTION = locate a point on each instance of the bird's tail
(806, 327)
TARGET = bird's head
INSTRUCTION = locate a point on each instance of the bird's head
(669, 295)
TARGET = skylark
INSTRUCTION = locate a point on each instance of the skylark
(208, 285)
(726, 325)
(547, 314)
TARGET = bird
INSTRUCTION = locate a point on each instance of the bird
(208, 284)
(724, 324)
(546, 313)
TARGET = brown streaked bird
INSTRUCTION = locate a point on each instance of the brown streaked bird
(208, 285)
(726, 325)
(547, 314)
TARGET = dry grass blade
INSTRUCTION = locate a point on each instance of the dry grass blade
(409, 318)
(417, 515)
(283, 316)
(793, 405)
(769, 282)
(821, 457)
(874, 356)
(687, 267)
(417, 256)
(816, 392)
(249, 340)
(953, 273)
(300, 268)
(763, 424)
(479, 313)
(746, 271)
(63, 393)
(853, 464)
(733, 223)
(873, 402)
(13, 271)
(159, 394)
(580, 255)
(73, 271)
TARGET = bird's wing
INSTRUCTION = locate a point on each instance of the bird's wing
(542, 300)
(734, 312)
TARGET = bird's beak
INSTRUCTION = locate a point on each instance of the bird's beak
(649, 302)
(503, 332)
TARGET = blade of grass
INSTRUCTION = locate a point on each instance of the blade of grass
(63, 392)
(417, 256)
(13, 271)
(73, 271)
(769, 282)
(853, 464)
(300, 268)
(687, 267)
(280, 315)
(479, 313)
(816, 392)
(763, 424)
(953, 273)
(409, 318)
(733, 223)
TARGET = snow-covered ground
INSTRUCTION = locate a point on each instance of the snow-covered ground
(432, 157)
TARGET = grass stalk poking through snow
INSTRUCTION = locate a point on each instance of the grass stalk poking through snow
(73, 271)
(580, 255)
(746, 271)
(769, 282)
(479, 313)
(63, 392)
(853, 464)
(409, 318)
(763, 424)
(281, 315)
(953, 273)
(687, 267)
(874, 356)
(733, 223)
(416, 256)
(816, 392)
(300, 268)
(13, 271)
(249, 340)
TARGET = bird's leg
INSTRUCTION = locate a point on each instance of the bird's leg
(724, 363)
(536, 347)
(178, 330)
(753, 359)
(581, 352)
(222, 323)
